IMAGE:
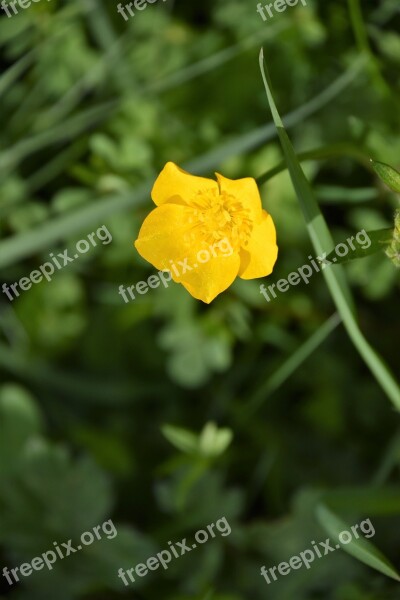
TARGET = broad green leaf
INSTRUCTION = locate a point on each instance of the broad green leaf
(388, 174)
(362, 549)
(380, 239)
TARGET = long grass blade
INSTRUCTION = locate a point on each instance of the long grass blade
(294, 362)
(324, 153)
(322, 242)
(361, 35)
(361, 549)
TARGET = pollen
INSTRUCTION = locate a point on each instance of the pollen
(219, 215)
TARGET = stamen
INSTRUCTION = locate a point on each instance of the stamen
(218, 216)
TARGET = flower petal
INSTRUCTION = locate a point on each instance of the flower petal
(163, 236)
(246, 192)
(209, 279)
(259, 256)
(174, 181)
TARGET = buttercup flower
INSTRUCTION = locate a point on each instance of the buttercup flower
(195, 223)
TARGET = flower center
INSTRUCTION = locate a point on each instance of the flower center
(218, 215)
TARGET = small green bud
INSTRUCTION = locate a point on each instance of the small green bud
(388, 175)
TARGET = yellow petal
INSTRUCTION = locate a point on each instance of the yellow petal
(208, 280)
(259, 256)
(163, 236)
(246, 192)
(175, 182)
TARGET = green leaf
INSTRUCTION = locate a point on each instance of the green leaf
(331, 151)
(182, 439)
(50, 496)
(388, 174)
(214, 441)
(316, 224)
(210, 443)
(361, 35)
(372, 501)
(361, 548)
(9, 77)
(291, 364)
(20, 420)
(380, 239)
(322, 242)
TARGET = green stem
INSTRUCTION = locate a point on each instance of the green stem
(334, 150)
(291, 365)
(364, 46)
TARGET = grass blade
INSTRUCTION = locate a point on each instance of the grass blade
(78, 124)
(291, 365)
(27, 243)
(361, 35)
(324, 153)
(24, 244)
(366, 500)
(322, 242)
(361, 549)
(12, 74)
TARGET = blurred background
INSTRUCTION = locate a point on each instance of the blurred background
(165, 414)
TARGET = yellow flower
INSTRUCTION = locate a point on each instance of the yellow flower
(206, 232)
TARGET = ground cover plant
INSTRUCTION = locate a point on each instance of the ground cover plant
(198, 434)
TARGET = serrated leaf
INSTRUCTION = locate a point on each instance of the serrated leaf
(388, 175)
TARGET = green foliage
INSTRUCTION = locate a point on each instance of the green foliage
(164, 414)
(210, 443)
(47, 496)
